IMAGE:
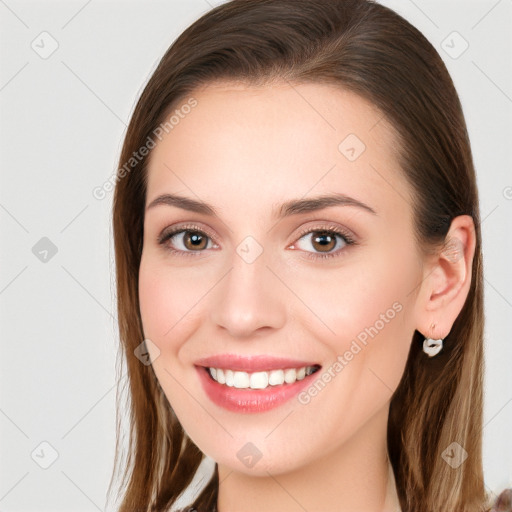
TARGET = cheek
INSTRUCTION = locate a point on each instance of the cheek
(169, 318)
(365, 309)
(166, 302)
(155, 301)
(380, 320)
(354, 297)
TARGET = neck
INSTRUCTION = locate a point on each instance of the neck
(355, 476)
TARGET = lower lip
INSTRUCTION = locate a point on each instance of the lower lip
(249, 400)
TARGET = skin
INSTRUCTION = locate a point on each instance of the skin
(246, 150)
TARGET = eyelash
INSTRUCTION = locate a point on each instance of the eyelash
(347, 239)
(165, 236)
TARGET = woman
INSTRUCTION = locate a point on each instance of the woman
(299, 268)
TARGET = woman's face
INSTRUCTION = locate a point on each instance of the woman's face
(268, 279)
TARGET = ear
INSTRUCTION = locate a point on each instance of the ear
(446, 280)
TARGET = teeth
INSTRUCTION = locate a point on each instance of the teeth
(230, 379)
(260, 380)
(290, 376)
(310, 370)
(276, 377)
(241, 380)
(220, 377)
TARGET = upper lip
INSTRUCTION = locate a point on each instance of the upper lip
(251, 363)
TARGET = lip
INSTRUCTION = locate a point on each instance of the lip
(246, 401)
(259, 363)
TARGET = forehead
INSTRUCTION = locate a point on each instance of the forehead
(276, 141)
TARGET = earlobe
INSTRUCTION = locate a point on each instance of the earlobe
(448, 280)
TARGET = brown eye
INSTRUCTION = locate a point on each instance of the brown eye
(323, 241)
(194, 240)
(185, 241)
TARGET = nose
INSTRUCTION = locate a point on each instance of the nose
(249, 300)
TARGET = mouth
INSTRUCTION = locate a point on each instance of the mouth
(260, 380)
(256, 384)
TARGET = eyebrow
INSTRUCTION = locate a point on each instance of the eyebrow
(293, 207)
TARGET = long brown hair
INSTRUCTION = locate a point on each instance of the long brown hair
(368, 49)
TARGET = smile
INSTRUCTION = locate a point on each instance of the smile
(253, 384)
(260, 380)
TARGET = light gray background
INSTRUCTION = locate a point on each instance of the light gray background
(63, 119)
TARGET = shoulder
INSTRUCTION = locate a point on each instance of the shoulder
(503, 502)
